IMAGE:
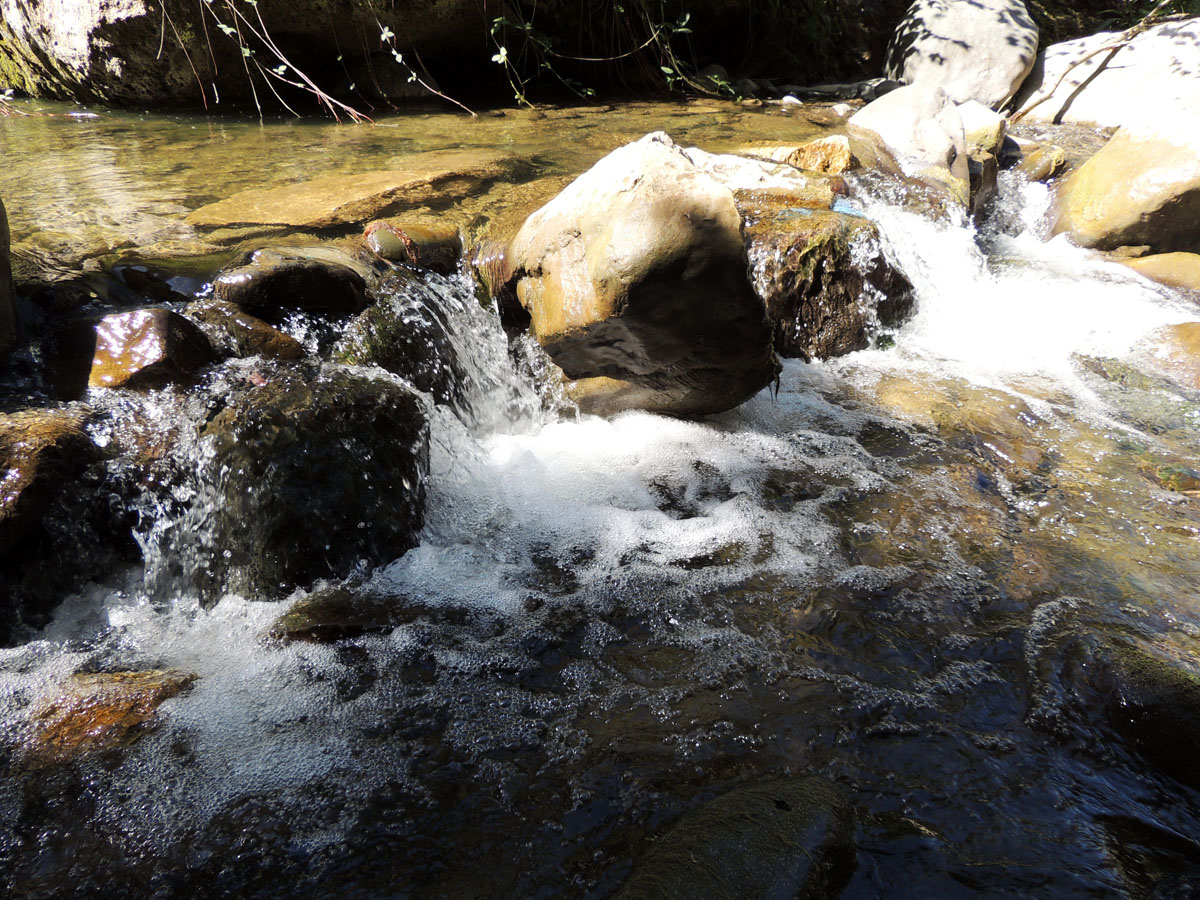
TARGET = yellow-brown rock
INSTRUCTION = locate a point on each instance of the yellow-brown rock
(236, 332)
(1181, 270)
(146, 345)
(436, 247)
(99, 711)
(1141, 188)
(830, 155)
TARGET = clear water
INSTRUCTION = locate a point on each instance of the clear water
(610, 621)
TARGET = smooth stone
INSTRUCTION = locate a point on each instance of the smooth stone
(637, 272)
(98, 711)
(332, 614)
(1180, 270)
(922, 131)
(981, 50)
(436, 176)
(1141, 188)
(786, 839)
(275, 280)
(1041, 162)
(759, 179)
(983, 128)
(1148, 83)
(146, 346)
(234, 332)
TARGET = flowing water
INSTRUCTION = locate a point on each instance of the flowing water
(860, 575)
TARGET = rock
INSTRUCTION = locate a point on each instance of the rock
(983, 128)
(275, 280)
(408, 333)
(307, 473)
(825, 280)
(871, 89)
(234, 332)
(146, 346)
(1041, 162)
(1149, 81)
(8, 301)
(1175, 352)
(637, 272)
(981, 50)
(1176, 477)
(922, 130)
(830, 155)
(985, 183)
(439, 176)
(1141, 188)
(335, 613)
(1180, 270)
(756, 179)
(417, 245)
(785, 839)
(96, 712)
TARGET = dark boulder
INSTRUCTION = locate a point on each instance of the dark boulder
(307, 473)
(234, 332)
(274, 281)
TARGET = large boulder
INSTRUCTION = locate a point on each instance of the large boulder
(921, 129)
(1180, 270)
(8, 309)
(1142, 188)
(789, 838)
(981, 50)
(306, 473)
(637, 274)
(1146, 83)
(827, 284)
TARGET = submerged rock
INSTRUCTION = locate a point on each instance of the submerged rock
(146, 346)
(1142, 188)
(786, 839)
(234, 332)
(274, 280)
(336, 613)
(921, 129)
(981, 50)
(307, 474)
(637, 273)
(436, 177)
(96, 712)
(825, 280)
(8, 305)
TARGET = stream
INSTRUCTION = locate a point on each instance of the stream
(884, 573)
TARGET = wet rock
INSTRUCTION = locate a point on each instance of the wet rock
(437, 177)
(1041, 162)
(1181, 270)
(637, 273)
(1141, 188)
(308, 473)
(146, 346)
(984, 171)
(1147, 83)
(980, 50)
(335, 613)
(756, 180)
(422, 246)
(921, 129)
(825, 280)
(274, 280)
(786, 839)
(1176, 477)
(96, 712)
(234, 332)
(408, 334)
(8, 303)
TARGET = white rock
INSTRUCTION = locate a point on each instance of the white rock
(921, 127)
(1149, 82)
(983, 127)
(974, 49)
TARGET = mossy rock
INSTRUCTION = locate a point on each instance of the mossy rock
(792, 838)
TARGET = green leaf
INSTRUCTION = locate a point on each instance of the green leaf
(668, 70)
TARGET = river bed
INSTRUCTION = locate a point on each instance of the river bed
(879, 573)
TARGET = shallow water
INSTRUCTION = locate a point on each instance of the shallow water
(610, 621)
